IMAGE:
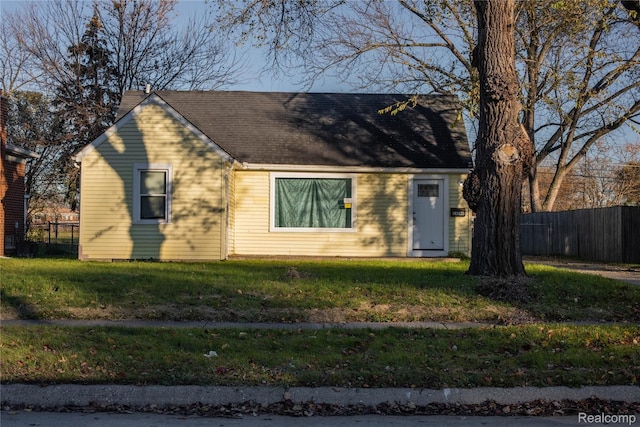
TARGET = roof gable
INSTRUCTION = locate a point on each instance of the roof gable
(122, 120)
(324, 129)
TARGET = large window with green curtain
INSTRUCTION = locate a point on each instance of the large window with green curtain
(311, 203)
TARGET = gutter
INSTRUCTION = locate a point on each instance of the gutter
(352, 169)
(19, 155)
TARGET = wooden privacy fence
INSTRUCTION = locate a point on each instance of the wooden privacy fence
(604, 234)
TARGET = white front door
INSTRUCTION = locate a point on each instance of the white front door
(428, 214)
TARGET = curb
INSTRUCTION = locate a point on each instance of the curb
(161, 396)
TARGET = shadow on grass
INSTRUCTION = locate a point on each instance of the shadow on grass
(21, 307)
(288, 290)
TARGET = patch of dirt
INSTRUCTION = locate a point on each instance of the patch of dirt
(513, 289)
(365, 312)
(294, 273)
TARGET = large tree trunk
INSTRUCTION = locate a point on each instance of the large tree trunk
(503, 149)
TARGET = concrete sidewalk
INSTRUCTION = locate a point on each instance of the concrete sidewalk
(139, 396)
(623, 273)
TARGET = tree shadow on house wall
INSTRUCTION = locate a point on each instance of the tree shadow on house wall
(197, 187)
(145, 239)
(385, 210)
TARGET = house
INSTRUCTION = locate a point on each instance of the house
(55, 214)
(13, 161)
(209, 175)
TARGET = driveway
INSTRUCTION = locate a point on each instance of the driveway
(622, 272)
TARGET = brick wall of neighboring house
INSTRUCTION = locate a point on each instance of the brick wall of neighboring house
(11, 191)
(13, 206)
(3, 170)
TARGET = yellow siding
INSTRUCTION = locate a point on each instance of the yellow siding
(459, 227)
(197, 228)
(381, 203)
(382, 215)
(232, 212)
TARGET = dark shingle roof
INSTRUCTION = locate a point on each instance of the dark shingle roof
(332, 129)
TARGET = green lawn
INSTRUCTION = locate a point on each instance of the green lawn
(534, 350)
(509, 356)
(299, 291)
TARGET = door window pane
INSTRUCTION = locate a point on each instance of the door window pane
(428, 190)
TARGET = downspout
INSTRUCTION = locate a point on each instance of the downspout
(78, 165)
(227, 190)
(25, 206)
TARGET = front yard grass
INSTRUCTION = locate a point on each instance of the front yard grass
(525, 347)
(299, 291)
(508, 356)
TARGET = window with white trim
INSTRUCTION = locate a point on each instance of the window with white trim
(307, 202)
(152, 193)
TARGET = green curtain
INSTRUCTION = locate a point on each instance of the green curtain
(312, 202)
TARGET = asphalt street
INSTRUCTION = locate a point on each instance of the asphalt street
(46, 419)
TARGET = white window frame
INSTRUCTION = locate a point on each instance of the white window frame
(153, 167)
(272, 202)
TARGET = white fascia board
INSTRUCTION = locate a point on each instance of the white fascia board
(348, 169)
(155, 100)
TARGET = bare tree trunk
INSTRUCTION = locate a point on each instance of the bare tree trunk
(504, 151)
(554, 188)
(534, 190)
